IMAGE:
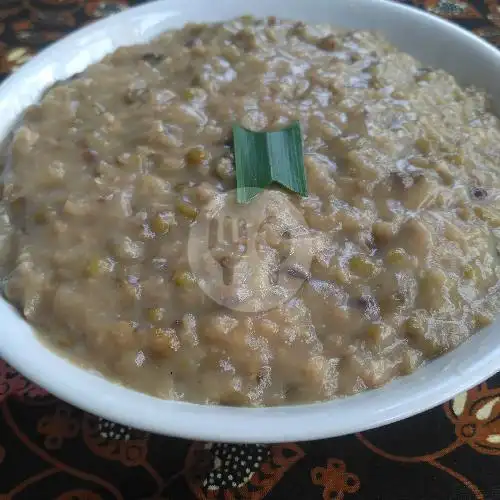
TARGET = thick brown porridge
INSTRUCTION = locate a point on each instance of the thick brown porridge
(106, 175)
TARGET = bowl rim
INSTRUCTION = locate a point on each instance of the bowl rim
(469, 364)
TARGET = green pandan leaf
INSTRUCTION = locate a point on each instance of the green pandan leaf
(266, 157)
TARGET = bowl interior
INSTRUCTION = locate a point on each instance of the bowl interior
(434, 42)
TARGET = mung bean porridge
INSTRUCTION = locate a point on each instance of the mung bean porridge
(107, 175)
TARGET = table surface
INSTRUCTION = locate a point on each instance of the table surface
(50, 450)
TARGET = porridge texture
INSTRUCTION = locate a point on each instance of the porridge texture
(106, 174)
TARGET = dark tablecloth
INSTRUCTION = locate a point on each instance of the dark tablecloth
(50, 450)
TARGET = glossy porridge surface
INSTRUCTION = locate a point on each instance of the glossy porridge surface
(106, 175)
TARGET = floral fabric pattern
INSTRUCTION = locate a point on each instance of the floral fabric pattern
(50, 450)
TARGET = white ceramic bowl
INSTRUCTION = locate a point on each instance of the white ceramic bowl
(434, 42)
